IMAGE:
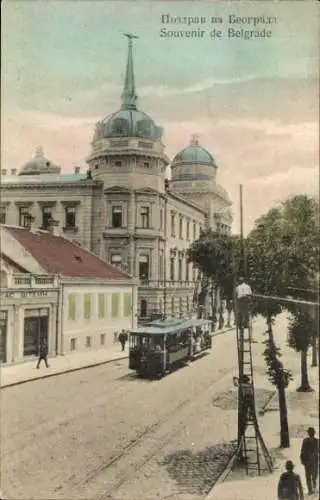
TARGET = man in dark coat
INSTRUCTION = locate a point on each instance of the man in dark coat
(43, 354)
(123, 337)
(309, 457)
(289, 486)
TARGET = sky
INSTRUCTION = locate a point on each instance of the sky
(253, 103)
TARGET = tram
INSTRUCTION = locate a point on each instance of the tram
(161, 345)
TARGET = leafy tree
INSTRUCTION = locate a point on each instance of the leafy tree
(301, 327)
(265, 257)
(217, 257)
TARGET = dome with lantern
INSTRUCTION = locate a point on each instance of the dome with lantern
(39, 164)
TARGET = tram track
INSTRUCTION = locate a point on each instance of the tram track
(148, 433)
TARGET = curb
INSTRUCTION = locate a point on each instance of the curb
(224, 474)
(85, 367)
(67, 370)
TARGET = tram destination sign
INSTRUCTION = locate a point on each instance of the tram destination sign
(25, 294)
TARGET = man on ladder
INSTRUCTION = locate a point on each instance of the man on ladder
(243, 300)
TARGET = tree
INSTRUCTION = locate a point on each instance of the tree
(265, 258)
(300, 336)
(217, 257)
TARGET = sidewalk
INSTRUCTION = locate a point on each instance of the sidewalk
(302, 413)
(27, 372)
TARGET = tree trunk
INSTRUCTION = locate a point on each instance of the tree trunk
(214, 306)
(221, 311)
(284, 427)
(314, 351)
(229, 310)
(304, 386)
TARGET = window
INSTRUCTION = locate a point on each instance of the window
(180, 307)
(127, 304)
(187, 303)
(118, 163)
(161, 218)
(143, 308)
(101, 305)
(115, 305)
(88, 341)
(194, 231)
(188, 230)
(180, 228)
(144, 267)
(24, 216)
(172, 306)
(2, 215)
(70, 217)
(146, 164)
(172, 268)
(72, 307)
(145, 217)
(102, 338)
(73, 344)
(180, 269)
(187, 270)
(194, 273)
(173, 229)
(117, 217)
(116, 260)
(46, 216)
(161, 265)
(87, 306)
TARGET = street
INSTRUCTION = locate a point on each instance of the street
(103, 433)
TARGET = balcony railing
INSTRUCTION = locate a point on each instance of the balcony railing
(167, 284)
(33, 281)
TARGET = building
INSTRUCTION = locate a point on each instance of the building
(53, 289)
(124, 209)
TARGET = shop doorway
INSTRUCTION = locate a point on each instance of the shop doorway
(3, 336)
(36, 323)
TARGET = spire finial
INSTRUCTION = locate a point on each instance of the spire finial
(39, 151)
(194, 140)
(129, 96)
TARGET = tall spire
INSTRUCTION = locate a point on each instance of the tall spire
(129, 96)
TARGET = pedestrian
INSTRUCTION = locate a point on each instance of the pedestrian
(247, 398)
(123, 337)
(309, 456)
(289, 485)
(115, 337)
(43, 354)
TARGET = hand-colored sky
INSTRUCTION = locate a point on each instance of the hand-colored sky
(254, 103)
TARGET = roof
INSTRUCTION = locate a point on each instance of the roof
(43, 179)
(194, 154)
(169, 326)
(60, 256)
(39, 165)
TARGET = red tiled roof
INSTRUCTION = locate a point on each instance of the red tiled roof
(57, 255)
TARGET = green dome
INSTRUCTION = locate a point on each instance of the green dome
(194, 154)
(127, 123)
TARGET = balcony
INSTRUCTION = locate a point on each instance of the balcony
(30, 281)
(169, 285)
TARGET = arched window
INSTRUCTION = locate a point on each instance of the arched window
(143, 308)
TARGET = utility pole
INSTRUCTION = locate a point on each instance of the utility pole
(243, 252)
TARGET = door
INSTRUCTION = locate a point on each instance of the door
(3, 337)
(35, 330)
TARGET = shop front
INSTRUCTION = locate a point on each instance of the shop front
(27, 318)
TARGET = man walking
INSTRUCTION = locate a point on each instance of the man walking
(289, 486)
(43, 353)
(309, 456)
(123, 337)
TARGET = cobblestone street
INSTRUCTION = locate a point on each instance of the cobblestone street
(103, 433)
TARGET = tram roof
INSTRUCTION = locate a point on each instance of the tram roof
(168, 326)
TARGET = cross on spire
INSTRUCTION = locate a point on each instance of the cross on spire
(194, 140)
(129, 96)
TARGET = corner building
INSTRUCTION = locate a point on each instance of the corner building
(124, 209)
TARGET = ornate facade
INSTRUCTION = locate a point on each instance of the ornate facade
(124, 209)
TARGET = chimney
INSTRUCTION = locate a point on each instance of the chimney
(53, 227)
(77, 170)
(13, 171)
(3, 171)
